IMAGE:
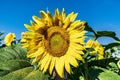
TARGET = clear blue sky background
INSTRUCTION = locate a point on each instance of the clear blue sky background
(100, 14)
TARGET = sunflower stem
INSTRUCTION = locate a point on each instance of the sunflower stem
(57, 77)
(86, 70)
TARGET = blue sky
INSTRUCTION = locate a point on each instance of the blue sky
(100, 14)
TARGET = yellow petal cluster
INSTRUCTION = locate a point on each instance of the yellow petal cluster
(48, 34)
(97, 47)
(9, 38)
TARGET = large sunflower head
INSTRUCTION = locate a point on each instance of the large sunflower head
(9, 38)
(97, 48)
(55, 42)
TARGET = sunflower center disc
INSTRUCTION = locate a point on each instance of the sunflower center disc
(57, 41)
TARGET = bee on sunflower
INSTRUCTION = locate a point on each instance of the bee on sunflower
(55, 42)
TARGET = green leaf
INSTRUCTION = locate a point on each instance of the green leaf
(88, 28)
(12, 65)
(102, 62)
(108, 75)
(107, 34)
(81, 78)
(4, 55)
(111, 45)
(20, 51)
(36, 75)
(18, 74)
(12, 52)
(102, 74)
(2, 73)
(118, 64)
(113, 67)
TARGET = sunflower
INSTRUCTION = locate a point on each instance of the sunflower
(97, 48)
(55, 42)
(9, 38)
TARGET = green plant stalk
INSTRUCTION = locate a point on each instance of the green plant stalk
(86, 77)
(56, 76)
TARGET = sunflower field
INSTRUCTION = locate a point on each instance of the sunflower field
(59, 47)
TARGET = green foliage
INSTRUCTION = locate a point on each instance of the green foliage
(107, 34)
(12, 58)
(18, 74)
(13, 52)
(15, 66)
(35, 75)
(12, 65)
(97, 73)
(27, 73)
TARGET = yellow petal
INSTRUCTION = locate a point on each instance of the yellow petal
(33, 50)
(50, 19)
(67, 23)
(76, 25)
(76, 34)
(27, 35)
(63, 14)
(59, 66)
(78, 51)
(77, 46)
(75, 55)
(43, 61)
(35, 25)
(73, 61)
(36, 59)
(38, 21)
(73, 17)
(89, 44)
(43, 14)
(31, 22)
(67, 66)
(25, 45)
(29, 27)
(77, 40)
(68, 17)
(100, 57)
(37, 53)
(57, 13)
(57, 18)
(8, 44)
(95, 45)
(47, 64)
(52, 64)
